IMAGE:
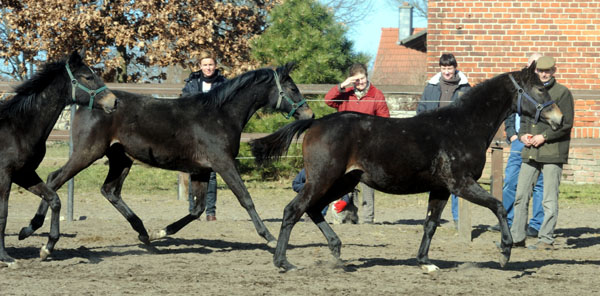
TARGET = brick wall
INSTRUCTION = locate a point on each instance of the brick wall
(583, 166)
(490, 37)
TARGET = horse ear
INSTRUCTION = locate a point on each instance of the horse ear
(75, 58)
(82, 52)
(288, 68)
(531, 68)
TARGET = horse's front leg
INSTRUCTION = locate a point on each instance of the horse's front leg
(5, 183)
(76, 163)
(474, 193)
(231, 176)
(119, 166)
(437, 202)
(198, 189)
(34, 184)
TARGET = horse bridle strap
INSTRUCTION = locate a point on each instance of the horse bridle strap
(75, 84)
(282, 96)
(522, 93)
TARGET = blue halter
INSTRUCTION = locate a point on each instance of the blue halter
(522, 93)
(75, 84)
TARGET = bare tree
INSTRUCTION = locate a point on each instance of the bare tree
(118, 33)
(349, 12)
(420, 6)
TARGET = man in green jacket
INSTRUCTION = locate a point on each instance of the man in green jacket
(545, 151)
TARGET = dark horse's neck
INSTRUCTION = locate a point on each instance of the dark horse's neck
(38, 103)
(244, 95)
(481, 111)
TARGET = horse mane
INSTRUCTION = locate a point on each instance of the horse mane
(26, 92)
(226, 91)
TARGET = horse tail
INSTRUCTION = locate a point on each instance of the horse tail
(273, 146)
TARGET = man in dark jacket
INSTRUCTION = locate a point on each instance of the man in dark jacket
(442, 89)
(512, 126)
(202, 80)
(545, 151)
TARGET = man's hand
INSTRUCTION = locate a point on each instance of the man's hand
(350, 81)
(526, 139)
(537, 140)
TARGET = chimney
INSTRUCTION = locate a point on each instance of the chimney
(405, 25)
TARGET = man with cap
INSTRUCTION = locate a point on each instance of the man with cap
(545, 151)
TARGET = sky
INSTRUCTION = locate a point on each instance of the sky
(366, 34)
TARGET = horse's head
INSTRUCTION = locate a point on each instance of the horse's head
(288, 98)
(532, 98)
(86, 87)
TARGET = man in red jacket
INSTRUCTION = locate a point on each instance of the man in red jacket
(357, 94)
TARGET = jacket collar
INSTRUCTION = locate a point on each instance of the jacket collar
(437, 77)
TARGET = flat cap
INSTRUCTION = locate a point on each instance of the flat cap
(545, 63)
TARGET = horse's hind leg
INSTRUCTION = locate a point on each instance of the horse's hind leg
(76, 163)
(32, 182)
(437, 201)
(120, 165)
(333, 241)
(198, 190)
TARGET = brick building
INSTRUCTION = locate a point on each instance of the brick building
(492, 37)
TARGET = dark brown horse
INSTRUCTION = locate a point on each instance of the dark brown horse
(25, 123)
(193, 134)
(441, 151)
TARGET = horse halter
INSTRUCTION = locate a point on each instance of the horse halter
(522, 93)
(75, 84)
(282, 95)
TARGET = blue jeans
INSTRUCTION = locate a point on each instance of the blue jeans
(511, 177)
(211, 195)
(454, 207)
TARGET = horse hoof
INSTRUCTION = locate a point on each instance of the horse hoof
(44, 253)
(144, 239)
(25, 232)
(503, 260)
(10, 264)
(429, 268)
(272, 244)
(158, 234)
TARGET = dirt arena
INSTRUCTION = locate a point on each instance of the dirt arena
(100, 255)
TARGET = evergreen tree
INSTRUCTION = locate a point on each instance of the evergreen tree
(305, 32)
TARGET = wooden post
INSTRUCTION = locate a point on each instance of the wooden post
(497, 178)
(464, 220)
(183, 181)
(464, 210)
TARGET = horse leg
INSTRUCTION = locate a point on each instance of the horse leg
(231, 176)
(333, 241)
(76, 163)
(5, 184)
(437, 202)
(198, 188)
(291, 215)
(474, 193)
(34, 184)
(119, 166)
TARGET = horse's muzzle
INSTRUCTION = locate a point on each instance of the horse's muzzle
(553, 116)
(108, 102)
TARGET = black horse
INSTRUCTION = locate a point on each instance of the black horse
(27, 119)
(192, 134)
(442, 151)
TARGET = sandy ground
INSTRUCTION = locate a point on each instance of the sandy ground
(100, 255)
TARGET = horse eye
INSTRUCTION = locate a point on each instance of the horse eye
(88, 77)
